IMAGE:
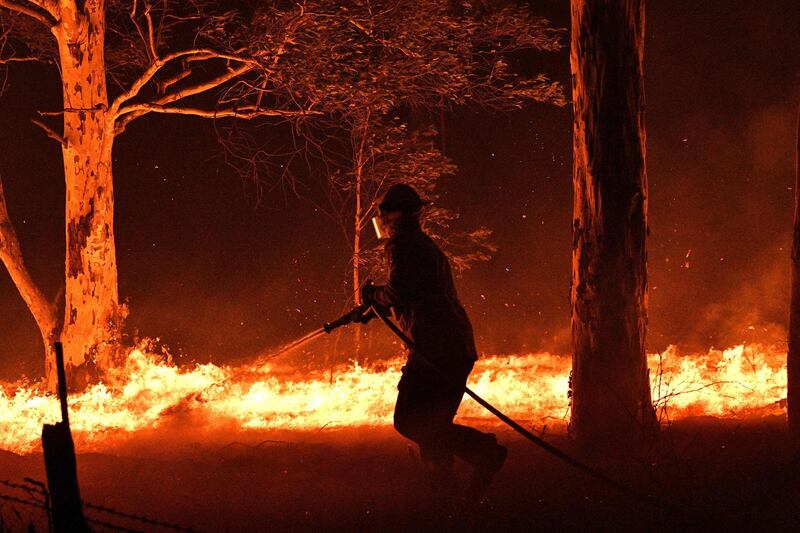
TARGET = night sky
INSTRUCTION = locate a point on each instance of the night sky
(217, 274)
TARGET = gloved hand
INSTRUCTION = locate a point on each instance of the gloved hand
(368, 293)
(364, 317)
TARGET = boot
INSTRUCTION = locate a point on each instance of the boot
(441, 478)
(484, 469)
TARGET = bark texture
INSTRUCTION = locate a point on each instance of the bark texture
(43, 311)
(611, 403)
(793, 359)
(92, 311)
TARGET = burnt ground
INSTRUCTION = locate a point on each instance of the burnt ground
(710, 475)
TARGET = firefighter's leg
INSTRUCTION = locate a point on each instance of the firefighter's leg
(480, 450)
(418, 416)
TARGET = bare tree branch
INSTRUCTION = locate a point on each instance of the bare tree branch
(202, 87)
(245, 113)
(50, 132)
(51, 6)
(163, 85)
(36, 13)
(127, 114)
(140, 31)
(21, 59)
(194, 54)
(43, 311)
(151, 39)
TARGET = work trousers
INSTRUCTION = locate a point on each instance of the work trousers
(426, 405)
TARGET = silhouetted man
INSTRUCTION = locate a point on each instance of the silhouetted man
(421, 291)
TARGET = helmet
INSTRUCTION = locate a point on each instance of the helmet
(401, 197)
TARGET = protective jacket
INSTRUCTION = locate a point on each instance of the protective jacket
(421, 291)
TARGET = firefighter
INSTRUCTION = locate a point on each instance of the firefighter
(421, 292)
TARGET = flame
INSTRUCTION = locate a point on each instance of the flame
(149, 392)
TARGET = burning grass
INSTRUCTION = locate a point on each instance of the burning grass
(150, 393)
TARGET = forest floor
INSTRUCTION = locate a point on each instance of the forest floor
(709, 475)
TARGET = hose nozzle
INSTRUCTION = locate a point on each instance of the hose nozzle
(359, 314)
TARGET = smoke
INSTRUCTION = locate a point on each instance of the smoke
(755, 310)
(721, 215)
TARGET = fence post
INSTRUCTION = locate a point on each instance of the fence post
(60, 464)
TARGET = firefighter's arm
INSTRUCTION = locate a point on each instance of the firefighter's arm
(399, 288)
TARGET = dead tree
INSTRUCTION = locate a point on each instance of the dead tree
(610, 390)
(793, 357)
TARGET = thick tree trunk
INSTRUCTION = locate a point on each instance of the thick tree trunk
(92, 311)
(793, 359)
(611, 406)
(43, 311)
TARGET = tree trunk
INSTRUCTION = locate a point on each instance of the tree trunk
(43, 311)
(611, 406)
(359, 139)
(357, 330)
(793, 359)
(92, 311)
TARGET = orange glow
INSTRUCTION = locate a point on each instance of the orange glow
(150, 393)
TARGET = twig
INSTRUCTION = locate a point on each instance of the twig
(50, 132)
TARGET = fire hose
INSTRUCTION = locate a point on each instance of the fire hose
(361, 314)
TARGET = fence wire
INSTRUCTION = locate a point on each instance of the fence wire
(123, 517)
(25, 507)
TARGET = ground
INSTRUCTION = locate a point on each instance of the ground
(707, 475)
